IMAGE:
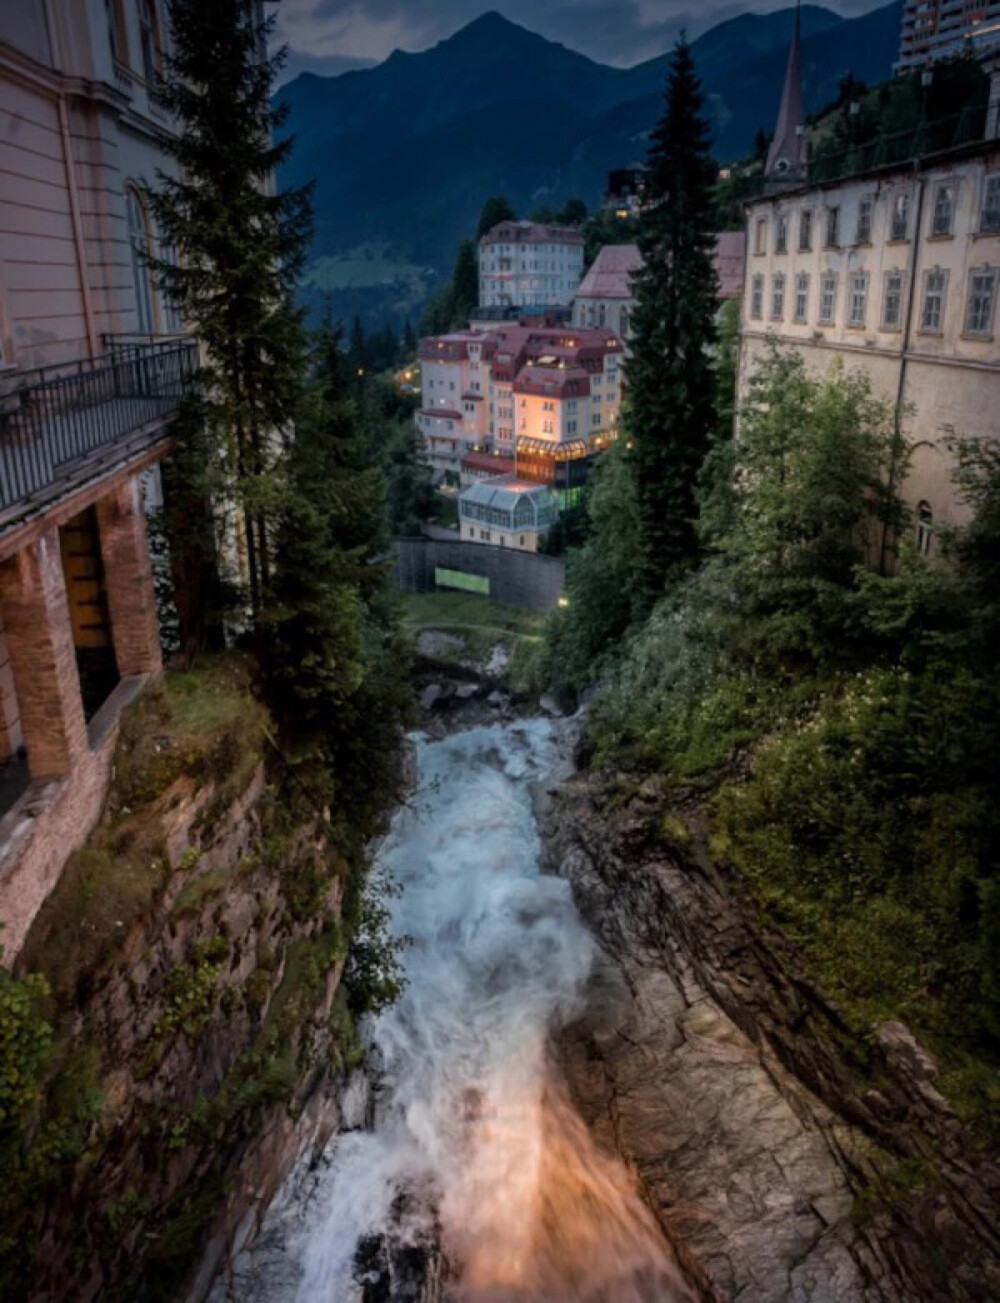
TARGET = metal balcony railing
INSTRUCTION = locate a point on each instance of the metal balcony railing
(55, 420)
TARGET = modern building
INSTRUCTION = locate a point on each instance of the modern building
(507, 512)
(529, 264)
(540, 394)
(896, 272)
(91, 374)
(606, 297)
(938, 29)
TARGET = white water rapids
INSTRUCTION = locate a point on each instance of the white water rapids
(472, 1122)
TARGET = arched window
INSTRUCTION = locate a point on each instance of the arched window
(149, 39)
(925, 528)
(139, 240)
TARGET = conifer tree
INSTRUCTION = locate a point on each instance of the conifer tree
(243, 245)
(465, 284)
(336, 671)
(670, 374)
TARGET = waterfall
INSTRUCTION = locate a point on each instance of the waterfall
(475, 1146)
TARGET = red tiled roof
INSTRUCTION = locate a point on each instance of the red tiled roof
(488, 461)
(611, 275)
(553, 382)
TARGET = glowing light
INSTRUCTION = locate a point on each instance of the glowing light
(564, 602)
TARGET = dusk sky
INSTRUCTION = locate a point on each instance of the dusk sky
(328, 36)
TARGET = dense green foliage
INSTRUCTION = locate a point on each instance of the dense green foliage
(670, 413)
(834, 696)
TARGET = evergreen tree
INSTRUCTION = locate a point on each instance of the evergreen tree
(465, 284)
(671, 383)
(409, 339)
(358, 348)
(336, 668)
(243, 249)
(496, 209)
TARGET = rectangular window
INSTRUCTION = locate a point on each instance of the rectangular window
(760, 236)
(982, 299)
(801, 296)
(900, 226)
(781, 234)
(932, 317)
(778, 297)
(805, 230)
(828, 298)
(863, 235)
(989, 219)
(944, 209)
(892, 301)
(833, 228)
(858, 298)
(757, 298)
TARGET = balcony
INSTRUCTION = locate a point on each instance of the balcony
(61, 426)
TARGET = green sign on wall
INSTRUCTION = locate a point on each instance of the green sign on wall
(459, 579)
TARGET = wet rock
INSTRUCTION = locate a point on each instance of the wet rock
(466, 691)
(497, 699)
(549, 705)
(438, 646)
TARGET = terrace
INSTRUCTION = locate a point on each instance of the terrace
(63, 426)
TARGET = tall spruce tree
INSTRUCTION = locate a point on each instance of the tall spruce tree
(243, 244)
(335, 668)
(670, 374)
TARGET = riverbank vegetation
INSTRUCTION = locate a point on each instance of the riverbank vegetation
(822, 670)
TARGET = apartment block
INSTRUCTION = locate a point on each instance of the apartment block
(938, 29)
(895, 272)
(527, 264)
(92, 370)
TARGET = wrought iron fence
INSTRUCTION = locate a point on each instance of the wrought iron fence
(54, 419)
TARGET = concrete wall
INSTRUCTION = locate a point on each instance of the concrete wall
(521, 579)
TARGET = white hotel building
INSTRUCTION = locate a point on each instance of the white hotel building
(526, 264)
(897, 273)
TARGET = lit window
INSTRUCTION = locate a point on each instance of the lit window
(892, 301)
(859, 298)
(900, 217)
(833, 228)
(982, 299)
(781, 234)
(944, 209)
(989, 219)
(933, 314)
(778, 297)
(801, 296)
(828, 298)
(925, 528)
(805, 229)
(757, 298)
(863, 234)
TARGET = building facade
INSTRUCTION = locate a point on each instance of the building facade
(507, 512)
(938, 29)
(92, 371)
(895, 272)
(519, 391)
(527, 264)
(606, 297)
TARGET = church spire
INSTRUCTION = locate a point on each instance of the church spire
(787, 155)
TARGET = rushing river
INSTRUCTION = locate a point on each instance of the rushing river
(474, 1144)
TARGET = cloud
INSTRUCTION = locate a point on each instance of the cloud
(622, 32)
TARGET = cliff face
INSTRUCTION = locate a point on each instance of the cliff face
(785, 1156)
(194, 951)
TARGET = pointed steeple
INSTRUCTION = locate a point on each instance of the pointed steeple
(787, 156)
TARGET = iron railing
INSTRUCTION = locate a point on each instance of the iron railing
(54, 420)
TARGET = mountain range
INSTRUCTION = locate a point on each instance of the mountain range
(404, 154)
